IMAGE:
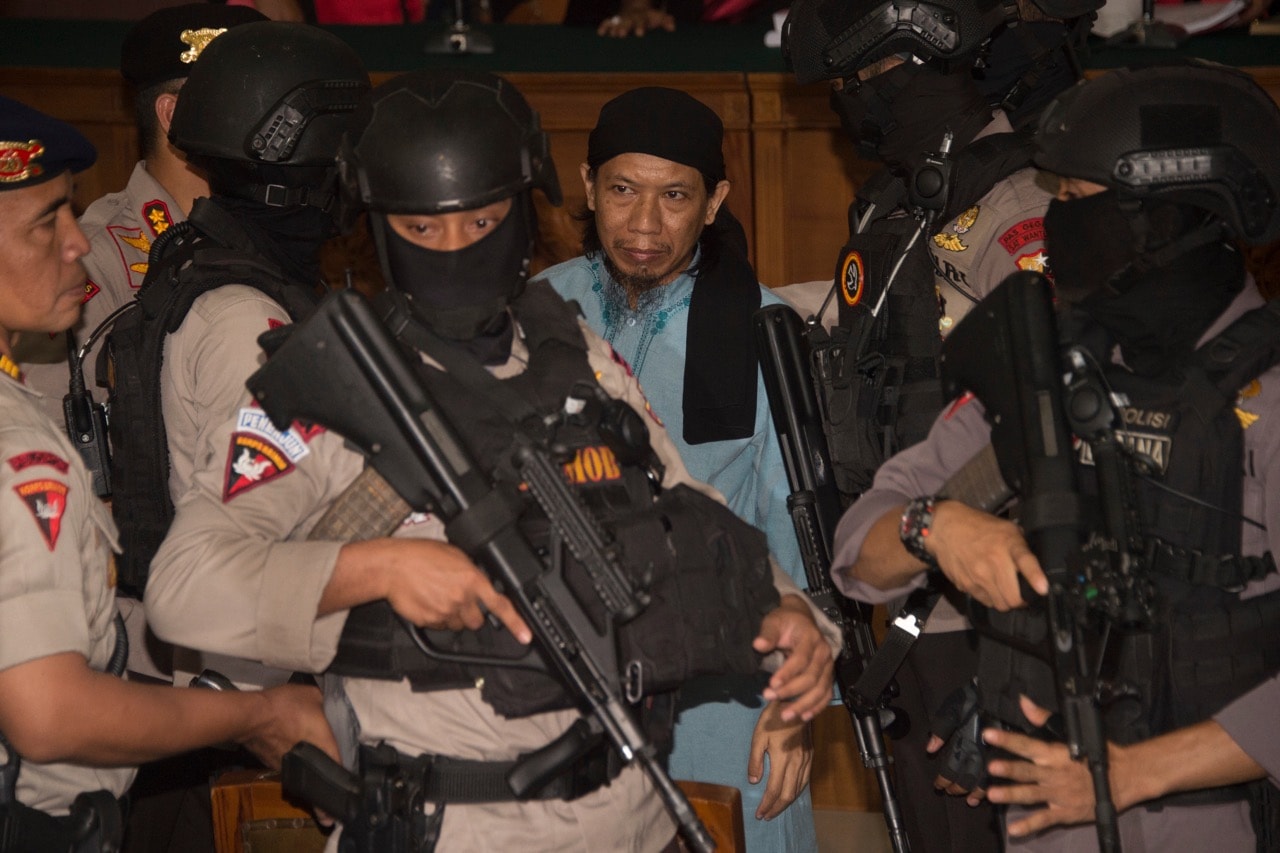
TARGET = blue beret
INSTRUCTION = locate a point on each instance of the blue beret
(163, 45)
(35, 147)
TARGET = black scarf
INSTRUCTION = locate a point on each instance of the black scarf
(721, 364)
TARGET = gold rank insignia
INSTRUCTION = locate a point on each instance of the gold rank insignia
(951, 242)
(1248, 419)
(156, 214)
(18, 160)
(197, 41)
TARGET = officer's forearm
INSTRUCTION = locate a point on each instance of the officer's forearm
(1188, 759)
(883, 562)
(56, 708)
(359, 576)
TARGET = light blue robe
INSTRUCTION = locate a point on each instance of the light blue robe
(713, 734)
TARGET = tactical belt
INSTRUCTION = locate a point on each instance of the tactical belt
(455, 780)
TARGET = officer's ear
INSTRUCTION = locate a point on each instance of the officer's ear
(164, 107)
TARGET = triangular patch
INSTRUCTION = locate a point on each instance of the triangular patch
(252, 461)
(47, 500)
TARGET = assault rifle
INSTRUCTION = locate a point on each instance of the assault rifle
(814, 505)
(342, 369)
(1006, 352)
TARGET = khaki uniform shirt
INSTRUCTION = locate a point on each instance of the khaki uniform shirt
(56, 592)
(227, 556)
(206, 363)
(120, 227)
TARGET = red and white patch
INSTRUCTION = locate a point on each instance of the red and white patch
(90, 290)
(38, 457)
(1026, 231)
(156, 214)
(251, 461)
(47, 500)
(963, 400)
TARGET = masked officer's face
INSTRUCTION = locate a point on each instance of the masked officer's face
(449, 232)
(41, 278)
(650, 213)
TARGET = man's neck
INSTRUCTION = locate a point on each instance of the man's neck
(178, 178)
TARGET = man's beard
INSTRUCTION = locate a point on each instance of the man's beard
(640, 288)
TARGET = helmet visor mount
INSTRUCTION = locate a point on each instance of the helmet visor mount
(276, 136)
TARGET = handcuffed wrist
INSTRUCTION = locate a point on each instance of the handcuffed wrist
(916, 527)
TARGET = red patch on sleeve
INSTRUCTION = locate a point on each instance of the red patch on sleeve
(273, 323)
(251, 461)
(306, 432)
(1026, 231)
(38, 457)
(90, 290)
(47, 500)
(963, 400)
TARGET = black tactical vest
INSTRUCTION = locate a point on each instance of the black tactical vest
(878, 377)
(706, 571)
(1207, 646)
(208, 251)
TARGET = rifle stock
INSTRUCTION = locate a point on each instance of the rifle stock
(368, 392)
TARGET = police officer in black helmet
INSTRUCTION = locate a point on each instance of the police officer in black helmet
(1160, 171)
(444, 163)
(905, 76)
(262, 114)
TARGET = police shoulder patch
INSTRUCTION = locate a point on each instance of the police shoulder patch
(260, 452)
(1034, 261)
(90, 290)
(47, 501)
(853, 278)
(1023, 233)
(38, 457)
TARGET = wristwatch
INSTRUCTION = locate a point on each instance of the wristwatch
(916, 527)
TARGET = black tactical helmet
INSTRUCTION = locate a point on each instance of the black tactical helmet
(441, 141)
(1196, 134)
(829, 39)
(269, 93)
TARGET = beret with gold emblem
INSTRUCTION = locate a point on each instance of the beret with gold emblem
(163, 45)
(35, 147)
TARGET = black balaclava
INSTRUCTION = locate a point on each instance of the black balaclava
(1155, 274)
(289, 235)
(463, 295)
(899, 116)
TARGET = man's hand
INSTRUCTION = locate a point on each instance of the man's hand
(804, 679)
(431, 583)
(1048, 775)
(984, 556)
(635, 17)
(790, 749)
(290, 713)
